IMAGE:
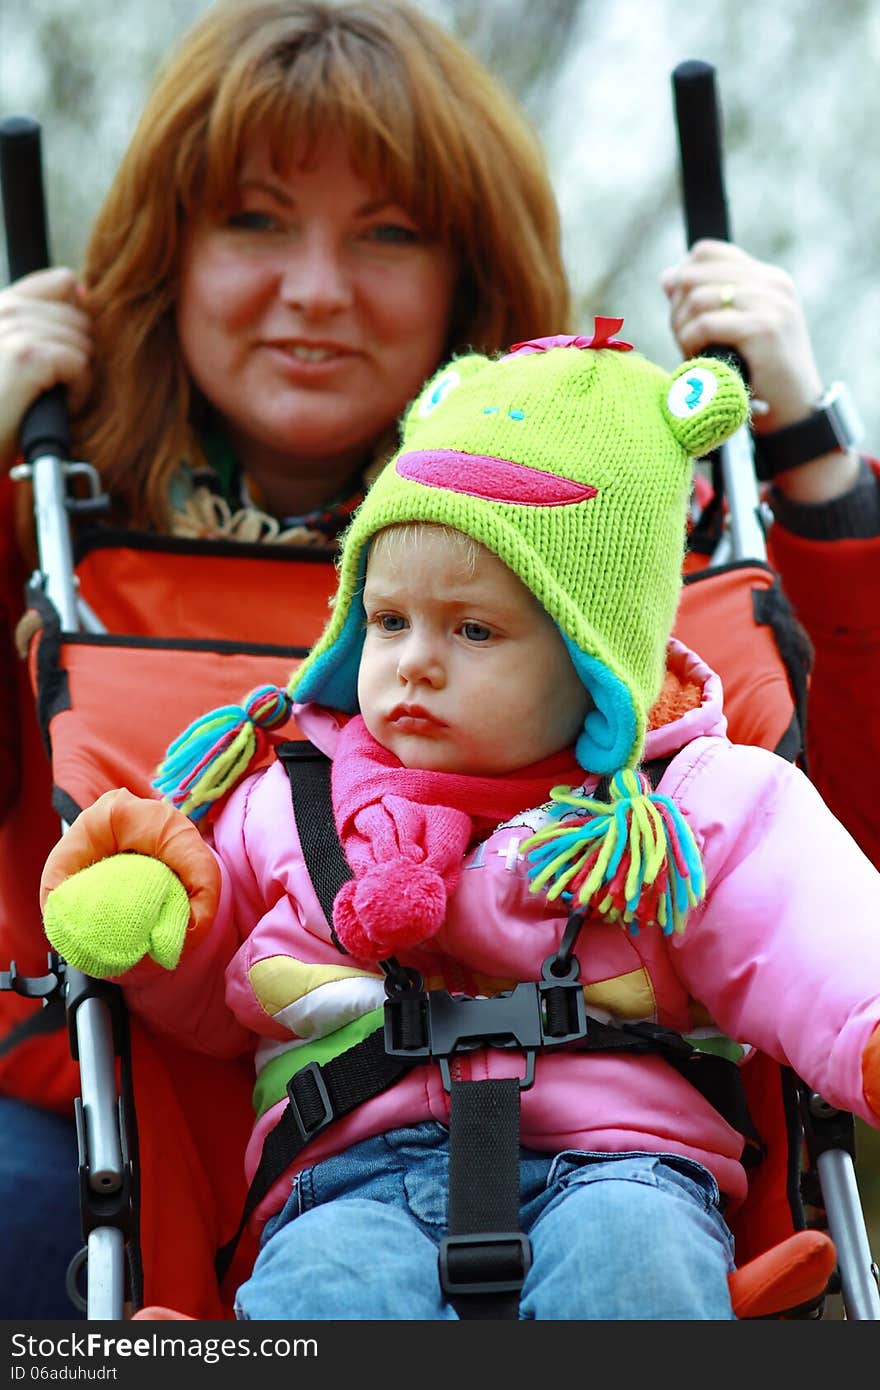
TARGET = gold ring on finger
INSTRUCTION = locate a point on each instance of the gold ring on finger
(727, 294)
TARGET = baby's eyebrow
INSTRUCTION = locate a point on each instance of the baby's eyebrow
(383, 598)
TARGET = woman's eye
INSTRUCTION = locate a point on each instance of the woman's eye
(253, 221)
(476, 632)
(392, 233)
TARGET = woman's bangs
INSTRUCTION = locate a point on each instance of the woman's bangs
(297, 103)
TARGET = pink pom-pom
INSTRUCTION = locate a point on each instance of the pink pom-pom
(392, 906)
(346, 924)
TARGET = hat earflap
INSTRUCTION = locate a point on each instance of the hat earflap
(331, 677)
(632, 859)
(215, 751)
(610, 731)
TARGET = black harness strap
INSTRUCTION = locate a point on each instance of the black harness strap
(308, 771)
(485, 1257)
(316, 1095)
(50, 1019)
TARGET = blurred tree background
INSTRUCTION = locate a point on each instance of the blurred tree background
(794, 82)
(595, 77)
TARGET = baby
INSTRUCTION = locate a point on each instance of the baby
(484, 689)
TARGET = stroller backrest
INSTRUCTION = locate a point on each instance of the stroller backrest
(142, 585)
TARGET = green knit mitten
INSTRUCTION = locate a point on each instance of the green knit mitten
(106, 918)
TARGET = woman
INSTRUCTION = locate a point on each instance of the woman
(320, 202)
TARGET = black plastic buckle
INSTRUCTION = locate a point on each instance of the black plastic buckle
(453, 1023)
(435, 1025)
(312, 1070)
(520, 1260)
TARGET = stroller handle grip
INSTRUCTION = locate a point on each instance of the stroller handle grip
(698, 119)
(699, 140)
(701, 163)
(45, 428)
(24, 208)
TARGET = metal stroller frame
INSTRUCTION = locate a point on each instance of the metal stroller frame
(94, 1009)
(829, 1133)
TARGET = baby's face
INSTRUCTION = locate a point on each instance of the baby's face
(462, 670)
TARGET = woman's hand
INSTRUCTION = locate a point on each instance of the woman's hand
(45, 339)
(720, 296)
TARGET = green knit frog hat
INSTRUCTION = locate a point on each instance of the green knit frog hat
(570, 459)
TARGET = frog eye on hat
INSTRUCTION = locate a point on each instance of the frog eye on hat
(691, 392)
(704, 403)
(443, 384)
(437, 392)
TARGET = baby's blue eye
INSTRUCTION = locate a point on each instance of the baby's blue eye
(438, 392)
(476, 632)
(391, 622)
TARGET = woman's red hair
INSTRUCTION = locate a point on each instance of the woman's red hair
(417, 111)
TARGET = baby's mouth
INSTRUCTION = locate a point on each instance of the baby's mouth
(412, 718)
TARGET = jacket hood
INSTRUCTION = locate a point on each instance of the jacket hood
(690, 704)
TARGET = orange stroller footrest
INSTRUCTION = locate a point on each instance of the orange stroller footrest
(786, 1276)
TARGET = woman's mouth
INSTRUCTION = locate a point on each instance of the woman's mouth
(312, 359)
(313, 354)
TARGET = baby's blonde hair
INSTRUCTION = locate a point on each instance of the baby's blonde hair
(397, 541)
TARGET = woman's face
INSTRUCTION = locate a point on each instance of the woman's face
(311, 315)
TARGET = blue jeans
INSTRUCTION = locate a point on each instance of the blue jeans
(39, 1211)
(623, 1236)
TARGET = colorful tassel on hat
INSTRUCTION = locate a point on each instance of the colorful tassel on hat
(209, 757)
(633, 859)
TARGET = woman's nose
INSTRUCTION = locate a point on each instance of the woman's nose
(315, 280)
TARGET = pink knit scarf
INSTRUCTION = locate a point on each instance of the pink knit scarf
(405, 833)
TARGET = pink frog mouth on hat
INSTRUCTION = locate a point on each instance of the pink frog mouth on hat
(494, 479)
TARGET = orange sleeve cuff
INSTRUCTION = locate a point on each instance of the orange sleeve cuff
(871, 1072)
